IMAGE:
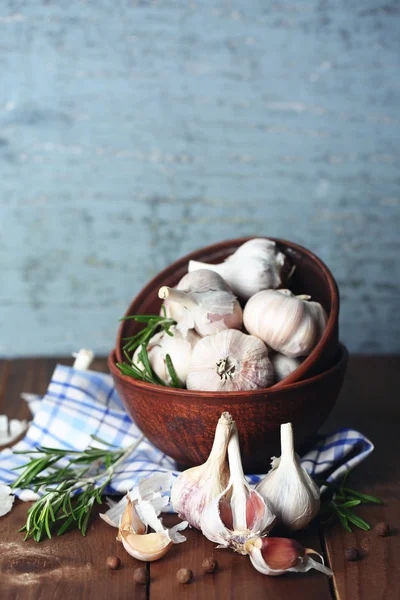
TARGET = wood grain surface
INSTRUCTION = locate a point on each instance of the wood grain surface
(75, 567)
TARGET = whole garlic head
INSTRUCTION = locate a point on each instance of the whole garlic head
(196, 487)
(229, 361)
(239, 512)
(256, 265)
(178, 347)
(209, 304)
(291, 325)
(292, 493)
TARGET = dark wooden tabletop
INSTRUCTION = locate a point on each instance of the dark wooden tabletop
(75, 567)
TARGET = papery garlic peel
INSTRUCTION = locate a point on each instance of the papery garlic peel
(239, 512)
(276, 556)
(294, 496)
(196, 487)
(210, 306)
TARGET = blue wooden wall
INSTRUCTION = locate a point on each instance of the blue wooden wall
(134, 132)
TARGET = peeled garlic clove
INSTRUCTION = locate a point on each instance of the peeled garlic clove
(291, 325)
(209, 304)
(130, 520)
(256, 265)
(177, 346)
(229, 361)
(239, 512)
(276, 556)
(196, 487)
(294, 496)
(150, 546)
(283, 365)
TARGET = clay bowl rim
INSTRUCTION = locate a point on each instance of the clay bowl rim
(296, 375)
(235, 396)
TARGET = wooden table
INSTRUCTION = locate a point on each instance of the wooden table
(75, 567)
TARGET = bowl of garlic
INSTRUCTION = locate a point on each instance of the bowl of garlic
(249, 326)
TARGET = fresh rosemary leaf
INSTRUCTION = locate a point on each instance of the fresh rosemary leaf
(172, 373)
(360, 523)
(344, 521)
(363, 497)
(348, 503)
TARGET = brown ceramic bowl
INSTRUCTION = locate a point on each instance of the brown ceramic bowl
(311, 277)
(181, 423)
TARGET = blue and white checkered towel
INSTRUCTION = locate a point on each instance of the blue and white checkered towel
(79, 404)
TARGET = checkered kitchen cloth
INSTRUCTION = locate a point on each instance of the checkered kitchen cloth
(79, 404)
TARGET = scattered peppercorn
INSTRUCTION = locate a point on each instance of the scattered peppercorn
(351, 554)
(209, 565)
(113, 562)
(382, 529)
(141, 576)
(184, 575)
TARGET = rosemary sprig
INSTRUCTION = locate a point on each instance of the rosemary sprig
(70, 501)
(141, 339)
(343, 501)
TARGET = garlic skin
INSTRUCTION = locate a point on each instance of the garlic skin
(239, 512)
(196, 487)
(135, 539)
(178, 347)
(256, 265)
(276, 556)
(294, 496)
(210, 306)
(283, 365)
(229, 361)
(291, 325)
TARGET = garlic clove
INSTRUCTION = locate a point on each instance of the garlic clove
(177, 346)
(130, 520)
(276, 556)
(239, 512)
(209, 304)
(229, 361)
(196, 487)
(256, 265)
(291, 325)
(294, 496)
(149, 547)
(283, 365)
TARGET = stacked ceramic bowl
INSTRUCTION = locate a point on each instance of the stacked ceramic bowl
(181, 422)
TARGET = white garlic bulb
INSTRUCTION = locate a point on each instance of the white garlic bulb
(283, 365)
(239, 512)
(229, 361)
(196, 487)
(292, 493)
(178, 347)
(209, 304)
(276, 556)
(256, 265)
(291, 325)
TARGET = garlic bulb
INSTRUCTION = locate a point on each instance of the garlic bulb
(283, 365)
(196, 487)
(276, 556)
(239, 512)
(229, 361)
(292, 493)
(256, 265)
(210, 305)
(177, 346)
(291, 325)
